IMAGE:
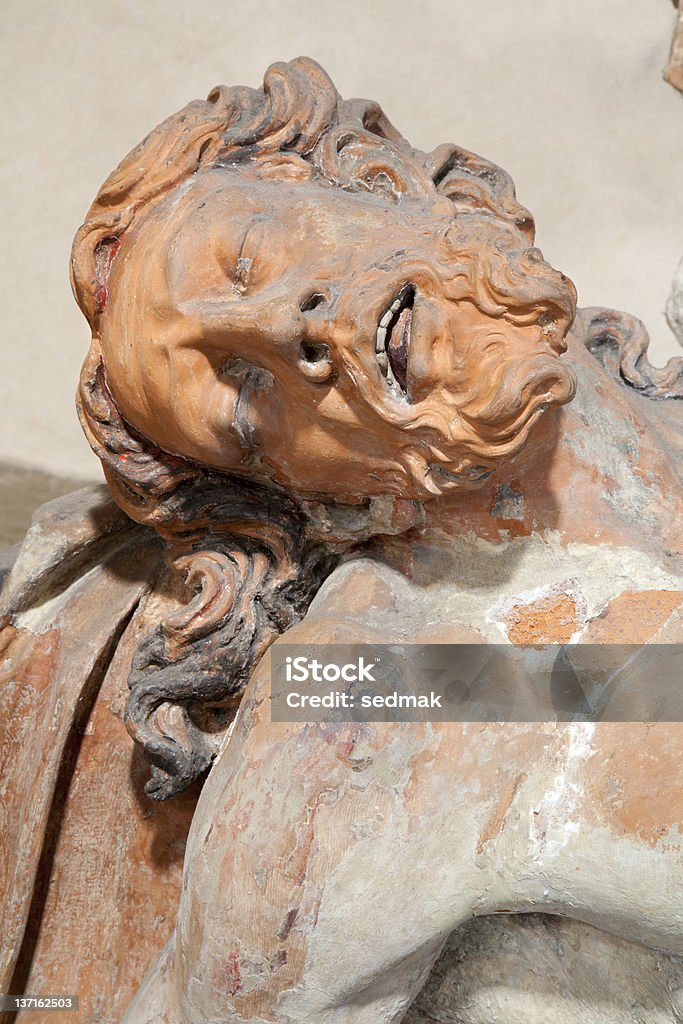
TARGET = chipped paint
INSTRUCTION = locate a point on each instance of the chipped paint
(508, 504)
(474, 582)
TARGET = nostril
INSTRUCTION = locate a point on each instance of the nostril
(314, 351)
(315, 362)
(312, 302)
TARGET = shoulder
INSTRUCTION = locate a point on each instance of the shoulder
(70, 539)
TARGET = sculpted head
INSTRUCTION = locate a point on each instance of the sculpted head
(302, 328)
(282, 288)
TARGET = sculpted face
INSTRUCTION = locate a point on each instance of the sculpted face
(266, 323)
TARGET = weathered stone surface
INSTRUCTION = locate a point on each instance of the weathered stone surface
(426, 825)
(534, 967)
(116, 866)
(78, 576)
(329, 371)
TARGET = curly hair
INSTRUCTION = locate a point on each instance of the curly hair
(249, 548)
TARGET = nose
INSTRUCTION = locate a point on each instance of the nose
(314, 298)
(315, 356)
(316, 312)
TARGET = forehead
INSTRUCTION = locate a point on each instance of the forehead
(226, 208)
(307, 202)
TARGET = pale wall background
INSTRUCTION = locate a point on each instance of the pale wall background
(566, 96)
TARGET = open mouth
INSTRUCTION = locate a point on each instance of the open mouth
(392, 341)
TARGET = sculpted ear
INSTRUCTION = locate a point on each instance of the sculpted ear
(169, 154)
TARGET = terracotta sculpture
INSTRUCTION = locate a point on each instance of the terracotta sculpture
(327, 378)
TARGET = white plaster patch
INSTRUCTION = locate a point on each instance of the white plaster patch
(465, 579)
(558, 808)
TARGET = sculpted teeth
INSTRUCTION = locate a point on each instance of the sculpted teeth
(388, 358)
(393, 308)
(381, 335)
